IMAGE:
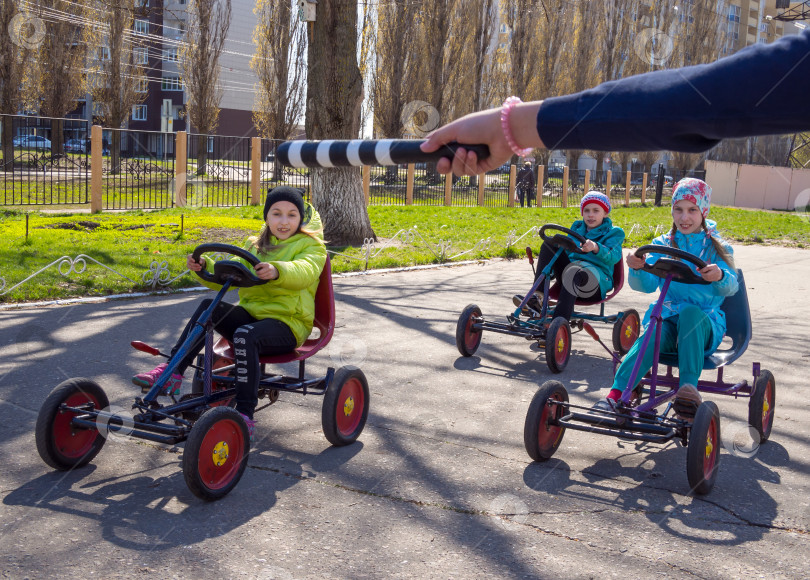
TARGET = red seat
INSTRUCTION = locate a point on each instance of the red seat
(618, 282)
(324, 322)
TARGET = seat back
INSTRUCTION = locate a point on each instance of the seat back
(618, 282)
(738, 329)
(324, 321)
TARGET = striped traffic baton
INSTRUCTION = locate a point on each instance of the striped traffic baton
(356, 152)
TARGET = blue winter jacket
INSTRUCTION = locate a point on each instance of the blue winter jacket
(609, 238)
(707, 297)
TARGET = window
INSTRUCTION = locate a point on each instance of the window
(140, 55)
(142, 85)
(141, 3)
(139, 113)
(171, 84)
(170, 54)
(141, 27)
(103, 53)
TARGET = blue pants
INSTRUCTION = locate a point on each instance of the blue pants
(689, 334)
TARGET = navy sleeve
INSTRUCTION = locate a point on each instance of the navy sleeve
(760, 90)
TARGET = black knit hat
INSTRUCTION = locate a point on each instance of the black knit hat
(285, 193)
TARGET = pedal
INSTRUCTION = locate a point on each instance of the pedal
(685, 409)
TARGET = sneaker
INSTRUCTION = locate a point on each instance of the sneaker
(251, 425)
(605, 405)
(148, 379)
(687, 401)
(532, 306)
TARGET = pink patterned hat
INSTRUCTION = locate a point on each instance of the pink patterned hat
(694, 190)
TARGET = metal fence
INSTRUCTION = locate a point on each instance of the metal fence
(138, 170)
(43, 160)
(144, 170)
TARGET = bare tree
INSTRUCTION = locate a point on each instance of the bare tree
(334, 99)
(394, 37)
(700, 32)
(523, 18)
(208, 24)
(59, 79)
(13, 62)
(116, 77)
(279, 66)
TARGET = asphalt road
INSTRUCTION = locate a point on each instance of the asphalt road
(439, 484)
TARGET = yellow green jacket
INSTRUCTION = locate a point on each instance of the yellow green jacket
(291, 297)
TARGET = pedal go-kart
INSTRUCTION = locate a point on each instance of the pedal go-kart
(75, 419)
(638, 414)
(551, 333)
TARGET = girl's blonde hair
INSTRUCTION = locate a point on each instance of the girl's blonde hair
(717, 243)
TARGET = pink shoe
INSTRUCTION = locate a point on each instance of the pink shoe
(148, 379)
(251, 425)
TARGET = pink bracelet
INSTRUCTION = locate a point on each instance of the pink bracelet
(508, 105)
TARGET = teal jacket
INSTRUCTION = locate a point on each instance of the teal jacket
(707, 297)
(609, 238)
(291, 297)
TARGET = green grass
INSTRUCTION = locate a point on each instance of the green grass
(129, 242)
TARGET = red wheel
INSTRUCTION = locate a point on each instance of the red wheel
(467, 338)
(540, 436)
(558, 344)
(703, 450)
(59, 443)
(345, 406)
(762, 404)
(216, 453)
(625, 331)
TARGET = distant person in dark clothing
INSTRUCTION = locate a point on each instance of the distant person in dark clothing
(525, 184)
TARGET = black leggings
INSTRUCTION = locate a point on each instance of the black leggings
(578, 282)
(251, 338)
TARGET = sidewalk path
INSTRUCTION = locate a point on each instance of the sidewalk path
(439, 484)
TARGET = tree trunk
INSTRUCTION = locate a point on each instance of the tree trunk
(115, 153)
(8, 143)
(202, 154)
(334, 98)
(57, 137)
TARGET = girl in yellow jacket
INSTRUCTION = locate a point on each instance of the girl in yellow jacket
(269, 319)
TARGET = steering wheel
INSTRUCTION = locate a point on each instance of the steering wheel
(564, 242)
(229, 270)
(662, 267)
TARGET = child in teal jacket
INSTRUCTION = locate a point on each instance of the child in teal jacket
(693, 323)
(587, 276)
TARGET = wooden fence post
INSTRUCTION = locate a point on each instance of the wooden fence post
(482, 181)
(409, 184)
(586, 186)
(608, 185)
(627, 189)
(367, 183)
(564, 199)
(512, 181)
(180, 168)
(96, 168)
(255, 170)
(644, 187)
(541, 173)
(448, 189)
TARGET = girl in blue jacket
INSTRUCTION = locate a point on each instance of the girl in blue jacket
(693, 323)
(586, 276)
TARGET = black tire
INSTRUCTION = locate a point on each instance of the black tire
(216, 453)
(345, 406)
(762, 404)
(467, 339)
(539, 437)
(626, 331)
(703, 450)
(60, 445)
(558, 345)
